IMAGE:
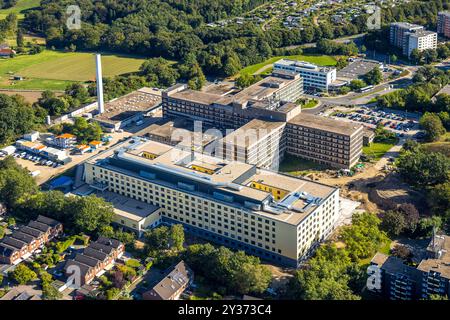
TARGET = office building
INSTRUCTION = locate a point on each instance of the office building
(443, 24)
(314, 77)
(274, 216)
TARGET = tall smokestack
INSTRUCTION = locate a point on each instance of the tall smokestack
(98, 64)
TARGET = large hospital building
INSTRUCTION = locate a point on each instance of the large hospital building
(274, 216)
(268, 109)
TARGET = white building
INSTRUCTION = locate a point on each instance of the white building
(314, 77)
(420, 40)
(274, 216)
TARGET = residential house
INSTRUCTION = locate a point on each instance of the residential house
(172, 285)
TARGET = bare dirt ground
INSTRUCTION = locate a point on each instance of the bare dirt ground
(280, 276)
(30, 96)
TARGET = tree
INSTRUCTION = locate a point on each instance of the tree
(402, 252)
(393, 223)
(411, 216)
(49, 292)
(415, 56)
(158, 238)
(424, 168)
(2, 232)
(252, 278)
(373, 77)
(159, 72)
(439, 198)
(91, 213)
(19, 38)
(22, 274)
(324, 278)
(432, 125)
(357, 84)
(363, 237)
(177, 236)
(393, 58)
(246, 80)
(15, 181)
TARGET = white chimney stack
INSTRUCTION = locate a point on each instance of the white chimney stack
(98, 64)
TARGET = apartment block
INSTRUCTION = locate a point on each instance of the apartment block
(314, 77)
(334, 143)
(420, 40)
(408, 37)
(432, 276)
(276, 217)
(443, 24)
(398, 31)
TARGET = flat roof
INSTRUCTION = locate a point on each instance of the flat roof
(442, 263)
(176, 131)
(127, 207)
(196, 96)
(252, 132)
(129, 105)
(325, 124)
(258, 93)
(229, 177)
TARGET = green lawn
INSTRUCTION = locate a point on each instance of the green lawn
(18, 9)
(322, 60)
(384, 248)
(310, 104)
(297, 166)
(54, 70)
(377, 149)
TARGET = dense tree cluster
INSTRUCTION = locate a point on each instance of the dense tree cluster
(336, 273)
(74, 96)
(427, 82)
(84, 130)
(5, 4)
(8, 26)
(175, 30)
(235, 271)
(19, 192)
(430, 172)
(17, 117)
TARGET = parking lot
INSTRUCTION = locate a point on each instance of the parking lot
(399, 122)
(44, 171)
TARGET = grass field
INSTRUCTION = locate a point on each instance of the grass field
(19, 8)
(54, 70)
(298, 167)
(322, 60)
(377, 149)
(442, 146)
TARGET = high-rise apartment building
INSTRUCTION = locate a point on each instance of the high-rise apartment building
(443, 24)
(408, 36)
